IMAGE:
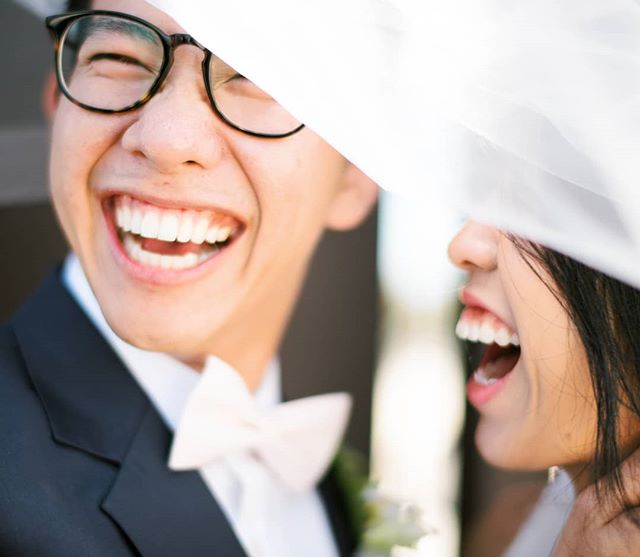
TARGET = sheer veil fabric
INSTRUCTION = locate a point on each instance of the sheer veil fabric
(525, 115)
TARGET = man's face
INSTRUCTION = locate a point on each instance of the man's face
(175, 162)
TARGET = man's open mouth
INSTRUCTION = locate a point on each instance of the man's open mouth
(172, 239)
(501, 344)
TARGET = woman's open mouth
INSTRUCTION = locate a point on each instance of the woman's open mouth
(499, 356)
(169, 239)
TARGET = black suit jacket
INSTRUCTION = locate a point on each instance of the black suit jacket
(83, 452)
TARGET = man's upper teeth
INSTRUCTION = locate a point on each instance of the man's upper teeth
(170, 225)
(488, 331)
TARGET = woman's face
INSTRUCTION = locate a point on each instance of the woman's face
(532, 387)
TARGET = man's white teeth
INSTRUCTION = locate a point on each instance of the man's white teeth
(170, 225)
(135, 225)
(200, 230)
(480, 377)
(136, 252)
(487, 332)
(218, 234)
(150, 227)
(185, 227)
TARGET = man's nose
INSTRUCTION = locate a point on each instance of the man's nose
(475, 247)
(177, 128)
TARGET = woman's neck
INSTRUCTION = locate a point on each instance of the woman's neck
(581, 475)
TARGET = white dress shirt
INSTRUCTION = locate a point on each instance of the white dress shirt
(268, 519)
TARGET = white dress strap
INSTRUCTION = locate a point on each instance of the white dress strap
(538, 535)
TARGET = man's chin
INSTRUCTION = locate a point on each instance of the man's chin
(157, 337)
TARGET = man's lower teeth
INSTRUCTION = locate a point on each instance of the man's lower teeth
(173, 262)
(482, 378)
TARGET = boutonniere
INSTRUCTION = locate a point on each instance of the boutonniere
(379, 522)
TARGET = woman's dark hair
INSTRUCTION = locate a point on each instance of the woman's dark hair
(606, 313)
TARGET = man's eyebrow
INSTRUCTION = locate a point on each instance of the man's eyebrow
(120, 26)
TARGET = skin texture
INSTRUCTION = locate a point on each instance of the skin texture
(175, 151)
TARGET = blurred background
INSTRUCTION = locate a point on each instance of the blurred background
(376, 317)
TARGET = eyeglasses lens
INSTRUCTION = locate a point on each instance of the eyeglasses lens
(244, 104)
(112, 63)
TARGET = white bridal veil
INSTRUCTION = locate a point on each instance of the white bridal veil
(523, 113)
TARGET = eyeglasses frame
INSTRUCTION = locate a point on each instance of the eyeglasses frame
(59, 25)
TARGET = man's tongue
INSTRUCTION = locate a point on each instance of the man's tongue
(169, 248)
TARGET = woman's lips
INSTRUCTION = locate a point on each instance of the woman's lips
(478, 324)
(479, 394)
(470, 300)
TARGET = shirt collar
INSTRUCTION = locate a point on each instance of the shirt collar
(167, 381)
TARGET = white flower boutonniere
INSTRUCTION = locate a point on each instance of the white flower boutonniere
(380, 523)
(389, 524)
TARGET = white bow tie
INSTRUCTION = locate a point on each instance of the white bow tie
(296, 440)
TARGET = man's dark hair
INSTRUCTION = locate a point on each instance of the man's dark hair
(75, 5)
(606, 313)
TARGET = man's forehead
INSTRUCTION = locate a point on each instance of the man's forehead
(142, 9)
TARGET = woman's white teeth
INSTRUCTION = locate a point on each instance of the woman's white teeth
(489, 331)
(169, 225)
(136, 252)
(481, 377)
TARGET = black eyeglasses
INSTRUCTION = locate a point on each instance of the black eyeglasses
(111, 62)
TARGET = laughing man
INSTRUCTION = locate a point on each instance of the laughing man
(192, 203)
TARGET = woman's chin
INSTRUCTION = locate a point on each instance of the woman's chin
(502, 451)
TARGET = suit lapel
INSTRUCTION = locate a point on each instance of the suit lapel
(94, 405)
(335, 504)
(165, 512)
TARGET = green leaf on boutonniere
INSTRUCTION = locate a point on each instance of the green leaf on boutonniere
(379, 523)
(351, 473)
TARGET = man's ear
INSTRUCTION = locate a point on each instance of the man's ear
(354, 201)
(50, 96)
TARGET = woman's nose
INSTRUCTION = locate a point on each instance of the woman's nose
(475, 247)
(178, 127)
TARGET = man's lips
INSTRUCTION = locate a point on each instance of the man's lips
(170, 238)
